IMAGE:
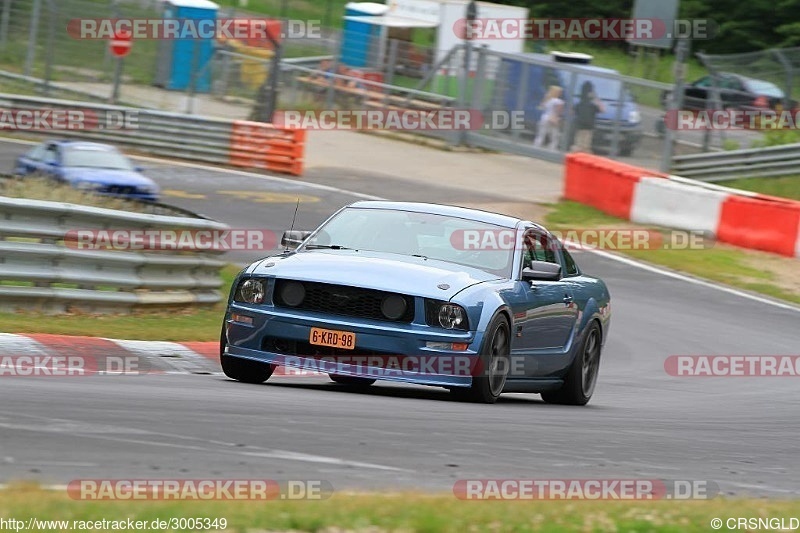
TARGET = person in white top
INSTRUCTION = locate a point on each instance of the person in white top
(549, 127)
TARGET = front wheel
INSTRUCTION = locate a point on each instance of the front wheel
(582, 375)
(495, 359)
(243, 370)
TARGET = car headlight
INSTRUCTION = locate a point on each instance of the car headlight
(451, 316)
(634, 116)
(251, 291)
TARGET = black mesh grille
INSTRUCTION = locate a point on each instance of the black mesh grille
(342, 300)
(120, 189)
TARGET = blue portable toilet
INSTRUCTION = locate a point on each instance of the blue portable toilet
(360, 39)
(181, 59)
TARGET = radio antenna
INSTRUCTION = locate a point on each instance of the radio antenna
(296, 207)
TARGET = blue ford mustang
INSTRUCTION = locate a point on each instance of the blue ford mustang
(92, 167)
(477, 302)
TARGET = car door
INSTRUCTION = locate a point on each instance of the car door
(695, 94)
(31, 161)
(544, 315)
(733, 93)
(49, 163)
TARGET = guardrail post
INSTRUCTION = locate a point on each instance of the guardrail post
(675, 103)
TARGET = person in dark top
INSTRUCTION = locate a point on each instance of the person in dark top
(586, 110)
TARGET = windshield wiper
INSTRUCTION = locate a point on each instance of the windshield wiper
(329, 247)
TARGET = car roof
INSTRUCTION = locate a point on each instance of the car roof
(67, 143)
(445, 210)
(581, 66)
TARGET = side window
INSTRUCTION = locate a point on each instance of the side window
(538, 248)
(570, 267)
(51, 154)
(705, 81)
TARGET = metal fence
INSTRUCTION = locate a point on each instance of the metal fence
(40, 271)
(34, 40)
(330, 71)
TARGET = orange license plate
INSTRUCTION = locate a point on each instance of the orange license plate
(332, 338)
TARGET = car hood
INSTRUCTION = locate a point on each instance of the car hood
(107, 176)
(414, 276)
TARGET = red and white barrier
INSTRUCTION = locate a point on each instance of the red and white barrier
(742, 218)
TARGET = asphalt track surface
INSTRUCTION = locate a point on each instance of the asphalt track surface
(740, 433)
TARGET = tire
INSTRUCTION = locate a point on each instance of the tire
(352, 381)
(495, 360)
(582, 375)
(243, 370)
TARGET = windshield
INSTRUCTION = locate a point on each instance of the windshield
(96, 158)
(604, 88)
(415, 234)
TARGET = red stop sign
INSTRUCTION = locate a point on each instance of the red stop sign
(121, 43)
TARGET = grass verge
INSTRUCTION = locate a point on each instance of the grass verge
(402, 512)
(761, 272)
(40, 188)
(784, 186)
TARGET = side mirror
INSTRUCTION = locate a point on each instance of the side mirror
(293, 238)
(139, 168)
(542, 271)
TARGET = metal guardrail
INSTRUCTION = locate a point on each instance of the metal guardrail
(40, 271)
(175, 135)
(750, 163)
(155, 132)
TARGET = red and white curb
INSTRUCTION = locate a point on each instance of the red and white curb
(157, 357)
(116, 355)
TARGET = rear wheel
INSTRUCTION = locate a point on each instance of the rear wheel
(352, 381)
(243, 370)
(495, 361)
(582, 376)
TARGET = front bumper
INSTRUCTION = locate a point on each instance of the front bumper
(628, 135)
(386, 351)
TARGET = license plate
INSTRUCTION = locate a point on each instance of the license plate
(332, 338)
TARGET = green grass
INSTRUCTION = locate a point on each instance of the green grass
(377, 513)
(178, 325)
(724, 264)
(784, 186)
